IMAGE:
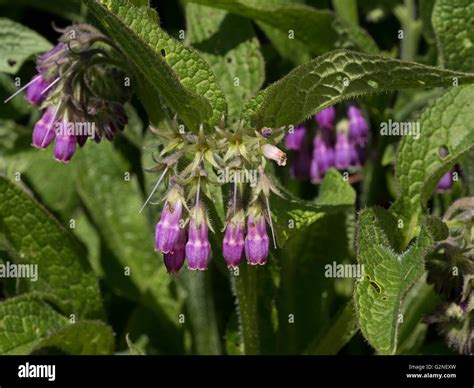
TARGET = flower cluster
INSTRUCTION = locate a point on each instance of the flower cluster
(191, 163)
(338, 144)
(80, 90)
(451, 271)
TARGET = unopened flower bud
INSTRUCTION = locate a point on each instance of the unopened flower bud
(445, 183)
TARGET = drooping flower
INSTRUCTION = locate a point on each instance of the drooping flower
(168, 228)
(323, 158)
(301, 163)
(44, 132)
(198, 249)
(49, 61)
(343, 152)
(65, 144)
(274, 153)
(294, 139)
(174, 260)
(256, 242)
(233, 242)
(358, 126)
(325, 118)
(34, 92)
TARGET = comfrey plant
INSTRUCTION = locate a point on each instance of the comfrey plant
(79, 89)
(190, 165)
(340, 144)
(211, 111)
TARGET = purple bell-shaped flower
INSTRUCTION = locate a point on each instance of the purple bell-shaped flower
(198, 248)
(325, 118)
(256, 242)
(294, 139)
(323, 158)
(445, 183)
(358, 126)
(174, 260)
(44, 131)
(233, 242)
(168, 228)
(34, 91)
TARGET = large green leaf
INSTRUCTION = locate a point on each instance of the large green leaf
(81, 338)
(31, 325)
(45, 175)
(35, 237)
(181, 76)
(16, 107)
(228, 43)
(452, 22)
(320, 30)
(337, 76)
(388, 275)
(24, 321)
(445, 125)
(113, 202)
(18, 43)
(292, 215)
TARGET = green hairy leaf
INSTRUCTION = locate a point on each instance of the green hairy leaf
(25, 321)
(452, 22)
(228, 43)
(18, 44)
(319, 30)
(81, 338)
(444, 126)
(31, 325)
(64, 274)
(338, 76)
(290, 215)
(387, 275)
(177, 72)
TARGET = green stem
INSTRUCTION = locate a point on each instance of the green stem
(202, 314)
(245, 284)
(406, 14)
(347, 10)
